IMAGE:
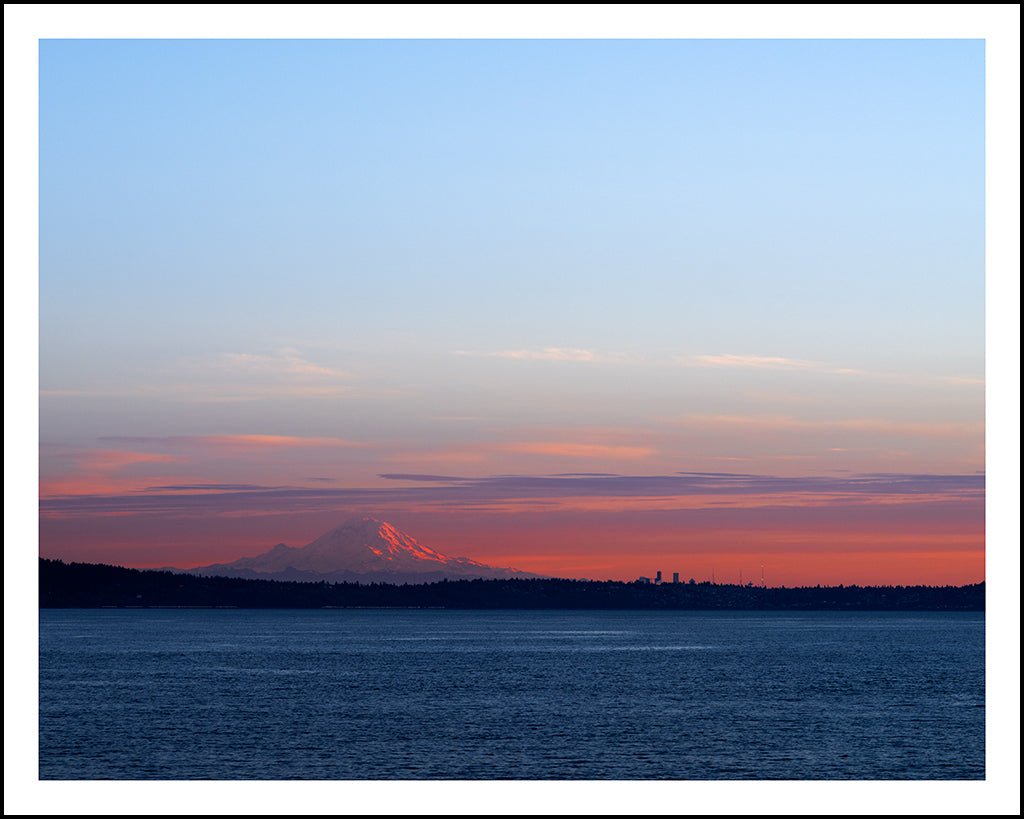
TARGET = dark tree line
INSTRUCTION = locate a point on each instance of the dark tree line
(88, 585)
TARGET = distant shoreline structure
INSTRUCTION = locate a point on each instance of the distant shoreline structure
(93, 585)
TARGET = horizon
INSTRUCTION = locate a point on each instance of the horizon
(639, 580)
(580, 308)
(730, 568)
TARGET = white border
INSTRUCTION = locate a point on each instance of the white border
(24, 24)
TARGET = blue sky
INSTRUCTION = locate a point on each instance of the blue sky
(407, 215)
(624, 196)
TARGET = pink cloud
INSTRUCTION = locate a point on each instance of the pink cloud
(107, 459)
(275, 441)
(251, 441)
(87, 472)
(568, 450)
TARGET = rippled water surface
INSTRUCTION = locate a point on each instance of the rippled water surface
(385, 694)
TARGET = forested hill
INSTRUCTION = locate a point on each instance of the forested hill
(88, 585)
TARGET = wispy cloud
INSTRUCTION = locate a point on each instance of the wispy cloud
(242, 441)
(441, 456)
(685, 490)
(209, 487)
(765, 362)
(569, 450)
(728, 361)
(98, 471)
(228, 378)
(406, 476)
(762, 362)
(585, 442)
(108, 459)
(286, 361)
(963, 381)
(546, 354)
(199, 393)
(787, 423)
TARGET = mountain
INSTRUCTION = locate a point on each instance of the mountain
(363, 550)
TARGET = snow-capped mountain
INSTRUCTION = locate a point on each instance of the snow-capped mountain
(366, 550)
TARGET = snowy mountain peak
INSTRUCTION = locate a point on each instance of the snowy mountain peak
(365, 549)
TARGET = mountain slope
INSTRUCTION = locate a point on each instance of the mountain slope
(365, 550)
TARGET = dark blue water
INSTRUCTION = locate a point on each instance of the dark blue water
(385, 694)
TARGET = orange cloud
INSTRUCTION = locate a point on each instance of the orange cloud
(255, 441)
(556, 449)
(107, 459)
(90, 472)
(89, 484)
(260, 441)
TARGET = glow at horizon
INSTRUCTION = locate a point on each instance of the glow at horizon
(586, 308)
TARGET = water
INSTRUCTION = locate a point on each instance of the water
(386, 694)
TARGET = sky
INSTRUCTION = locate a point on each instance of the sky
(588, 308)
